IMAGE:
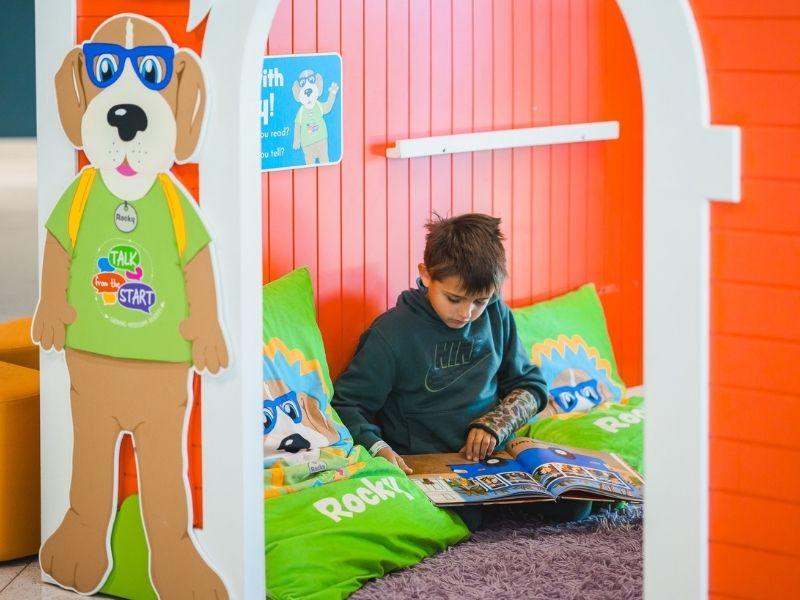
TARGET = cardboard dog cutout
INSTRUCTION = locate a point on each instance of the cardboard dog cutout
(128, 292)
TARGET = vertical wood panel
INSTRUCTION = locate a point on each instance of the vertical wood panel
(595, 169)
(614, 175)
(520, 245)
(375, 76)
(462, 104)
(559, 166)
(441, 102)
(304, 41)
(353, 293)
(578, 250)
(540, 156)
(279, 185)
(420, 126)
(329, 209)
(397, 99)
(503, 119)
(482, 85)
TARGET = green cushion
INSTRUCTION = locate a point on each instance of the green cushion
(611, 427)
(567, 337)
(327, 541)
(298, 417)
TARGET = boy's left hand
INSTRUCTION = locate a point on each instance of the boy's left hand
(480, 444)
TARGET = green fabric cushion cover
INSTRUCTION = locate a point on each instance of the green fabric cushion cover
(326, 542)
(567, 337)
(611, 427)
(294, 355)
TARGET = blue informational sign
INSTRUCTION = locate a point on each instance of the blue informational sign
(301, 111)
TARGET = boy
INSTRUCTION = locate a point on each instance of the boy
(444, 369)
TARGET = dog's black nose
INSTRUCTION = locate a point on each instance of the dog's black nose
(307, 91)
(294, 443)
(129, 120)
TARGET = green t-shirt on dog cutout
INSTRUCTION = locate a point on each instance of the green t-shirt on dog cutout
(127, 287)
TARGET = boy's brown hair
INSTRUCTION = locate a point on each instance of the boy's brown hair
(469, 246)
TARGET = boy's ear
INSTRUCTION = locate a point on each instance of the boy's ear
(424, 275)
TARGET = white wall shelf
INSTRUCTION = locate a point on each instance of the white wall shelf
(507, 138)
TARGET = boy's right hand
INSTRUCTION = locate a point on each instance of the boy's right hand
(394, 458)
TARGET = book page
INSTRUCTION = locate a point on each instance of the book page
(576, 472)
(498, 479)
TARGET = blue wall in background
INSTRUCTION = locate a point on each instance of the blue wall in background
(17, 75)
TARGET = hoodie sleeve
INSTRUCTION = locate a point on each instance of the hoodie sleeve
(363, 387)
(516, 370)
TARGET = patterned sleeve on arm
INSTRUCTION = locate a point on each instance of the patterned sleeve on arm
(516, 409)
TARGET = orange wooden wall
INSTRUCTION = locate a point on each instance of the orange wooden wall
(571, 213)
(753, 59)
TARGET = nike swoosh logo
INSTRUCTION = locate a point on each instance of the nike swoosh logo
(438, 386)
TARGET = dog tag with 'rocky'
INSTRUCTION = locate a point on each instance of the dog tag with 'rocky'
(125, 217)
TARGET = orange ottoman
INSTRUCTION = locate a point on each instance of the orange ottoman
(19, 461)
(16, 346)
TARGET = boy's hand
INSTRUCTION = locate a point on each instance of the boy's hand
(394, 458)
(480, 444)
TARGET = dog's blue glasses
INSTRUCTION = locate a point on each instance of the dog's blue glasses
(287, 403)
(105, 63)
(567, 397)
(310, 79)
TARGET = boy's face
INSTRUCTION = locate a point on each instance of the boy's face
(451, 303)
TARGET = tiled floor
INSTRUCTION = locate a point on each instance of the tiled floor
(21, 579)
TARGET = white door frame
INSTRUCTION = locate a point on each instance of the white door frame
(687, 161)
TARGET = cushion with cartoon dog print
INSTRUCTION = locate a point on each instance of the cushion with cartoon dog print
(568, 338)
(328, 541)
(301, 428)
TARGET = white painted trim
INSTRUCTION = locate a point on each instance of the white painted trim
(230, 188)
(56, 167)
(507, 138)
(686, 162)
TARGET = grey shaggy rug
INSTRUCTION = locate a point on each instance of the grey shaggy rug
(517, 554)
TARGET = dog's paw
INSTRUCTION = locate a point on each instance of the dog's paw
(75, 556)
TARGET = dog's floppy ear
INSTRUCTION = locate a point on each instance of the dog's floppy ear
(316, 418)
(71, 95)
(190, 106)
(296, 91)
(318, 79)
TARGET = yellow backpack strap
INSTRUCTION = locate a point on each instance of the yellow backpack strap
(79, 203)
(175, 211)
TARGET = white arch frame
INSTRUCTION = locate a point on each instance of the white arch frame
(687, 161)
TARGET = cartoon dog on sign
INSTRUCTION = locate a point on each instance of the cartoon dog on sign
(310, 131)
(128, 291)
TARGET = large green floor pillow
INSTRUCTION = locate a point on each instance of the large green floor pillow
(299, 420)
(610, 427)
(568, 338)
(325, 542)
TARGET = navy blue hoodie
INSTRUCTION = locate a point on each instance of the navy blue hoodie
(425, 381)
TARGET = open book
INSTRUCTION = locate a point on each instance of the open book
(529, 471)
